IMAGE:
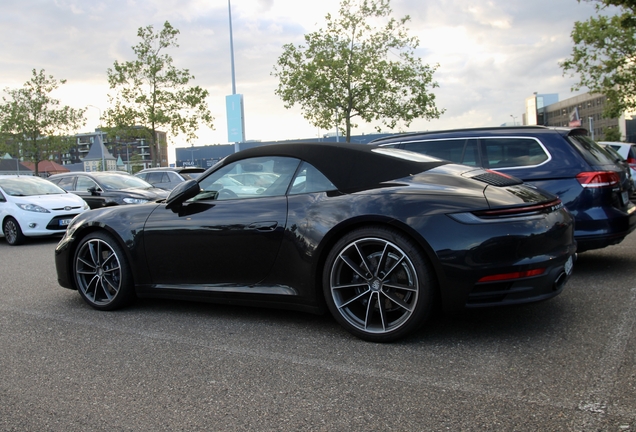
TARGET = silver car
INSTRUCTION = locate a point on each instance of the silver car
(167, 177)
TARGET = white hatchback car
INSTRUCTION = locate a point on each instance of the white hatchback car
(32, 206)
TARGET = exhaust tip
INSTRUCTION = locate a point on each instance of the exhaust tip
(560, 281)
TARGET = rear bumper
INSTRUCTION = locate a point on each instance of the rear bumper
(597, 234)
(527, 290)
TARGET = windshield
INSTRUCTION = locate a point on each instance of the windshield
(120, 181)
(29, 186)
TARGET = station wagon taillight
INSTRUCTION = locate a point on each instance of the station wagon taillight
(598, 179)
(632, 162)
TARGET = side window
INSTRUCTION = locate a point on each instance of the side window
(455, 150)
(172, 177)
(271, 176)
(513, 152)
(309, 180)
(66, 183)
(84, 184)
(154, 177)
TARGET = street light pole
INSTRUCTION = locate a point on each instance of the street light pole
(229, 9)
(128, 157)
(514, 120)
(192, 150)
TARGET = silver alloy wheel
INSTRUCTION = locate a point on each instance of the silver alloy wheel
(10, 231)
(374, 285)
(98, 272)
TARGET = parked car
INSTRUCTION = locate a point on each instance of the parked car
(108, 188)
(377, 236)
(627, 152)
(564, 161)
(31, 207)
(258, 179)
(167, 177)
(233, 188)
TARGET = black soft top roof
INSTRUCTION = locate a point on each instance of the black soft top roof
(348, 166)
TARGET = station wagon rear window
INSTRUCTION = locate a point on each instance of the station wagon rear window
(512, 152)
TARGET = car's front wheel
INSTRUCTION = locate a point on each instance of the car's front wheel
(101, 272)
(12, 232)
(377, 284)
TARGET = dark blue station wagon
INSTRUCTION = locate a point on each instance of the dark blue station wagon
(564, 161)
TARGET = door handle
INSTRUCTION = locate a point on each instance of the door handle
(263, 226)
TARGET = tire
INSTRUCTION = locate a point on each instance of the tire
(378, 285)
(12, 232)
(102, 274)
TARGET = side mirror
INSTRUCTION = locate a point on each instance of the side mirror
(181, 193)
(94, 190)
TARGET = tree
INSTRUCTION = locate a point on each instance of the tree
(151, 92)
(604, 55)
(35, 122)
(612, 134)
(347, 71)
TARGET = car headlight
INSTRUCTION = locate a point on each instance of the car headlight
(33, 208)
(135, 200)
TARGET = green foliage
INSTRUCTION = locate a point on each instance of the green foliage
(354, 70)
(604, 55)
(33, 125)
(612, 134)
(151, 92)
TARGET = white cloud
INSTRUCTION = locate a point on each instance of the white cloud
(492, 54)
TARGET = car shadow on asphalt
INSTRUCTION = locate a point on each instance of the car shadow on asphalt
(488, 323)
(611, 259)
(492, 323)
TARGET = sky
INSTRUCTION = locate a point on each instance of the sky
(492, 55)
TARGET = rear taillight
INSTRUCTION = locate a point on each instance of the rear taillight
(598, 179)
(632, 162)
(509, 214)
(545, 207)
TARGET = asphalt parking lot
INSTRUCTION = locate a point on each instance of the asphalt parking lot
(566, 364)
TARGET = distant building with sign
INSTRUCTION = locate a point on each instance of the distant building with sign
(585, 110)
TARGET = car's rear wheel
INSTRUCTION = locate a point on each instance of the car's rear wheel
(102, 273)
(377, 284)
(12, 232)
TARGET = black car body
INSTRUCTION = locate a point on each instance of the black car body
(565, 161)
(374, 235)
(108, 188)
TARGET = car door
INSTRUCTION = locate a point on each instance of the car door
(90, 191)
(157, 179)
(222, 238)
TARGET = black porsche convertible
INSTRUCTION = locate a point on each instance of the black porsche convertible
(377, 236)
